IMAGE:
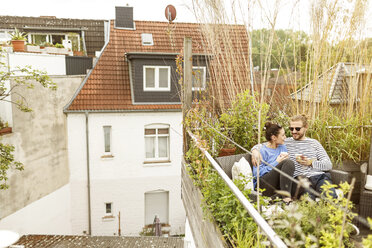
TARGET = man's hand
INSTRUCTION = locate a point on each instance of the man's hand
(304, 160)
(256, 157)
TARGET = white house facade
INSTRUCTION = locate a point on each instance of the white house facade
(131, 173)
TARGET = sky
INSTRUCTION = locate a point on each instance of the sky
(153, 10)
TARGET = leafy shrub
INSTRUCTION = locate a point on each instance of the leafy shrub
(59, 45)
(344, 138)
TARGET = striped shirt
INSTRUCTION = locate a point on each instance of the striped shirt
(309, 148)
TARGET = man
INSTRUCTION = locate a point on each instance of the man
(310, 158)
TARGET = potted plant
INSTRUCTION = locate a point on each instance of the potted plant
(49, 48)
(18, 41)
(61, 49)
(4, 128)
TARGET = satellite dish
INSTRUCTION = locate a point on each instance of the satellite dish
(170, 13)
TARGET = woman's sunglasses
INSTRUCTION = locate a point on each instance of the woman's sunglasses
(297, 128)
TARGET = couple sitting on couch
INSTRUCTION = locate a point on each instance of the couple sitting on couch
(298, 156)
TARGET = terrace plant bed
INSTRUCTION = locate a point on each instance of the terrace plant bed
(304, 223)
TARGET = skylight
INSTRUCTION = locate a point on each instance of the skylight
(147, 39)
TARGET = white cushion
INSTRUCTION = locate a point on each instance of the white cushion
(242, 170)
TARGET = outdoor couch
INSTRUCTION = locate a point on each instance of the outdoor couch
(227, 163)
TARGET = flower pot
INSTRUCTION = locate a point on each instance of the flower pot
(227, 152)
(78, 53)
(18, 45)
(5, 130)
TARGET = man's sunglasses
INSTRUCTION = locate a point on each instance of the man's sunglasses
(297, 128)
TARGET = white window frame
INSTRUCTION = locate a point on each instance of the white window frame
(204, 77)
(156, 135)
(147, 39)
(112, 209)
(104, 140)
(156, 77)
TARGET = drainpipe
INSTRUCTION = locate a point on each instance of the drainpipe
(88, 173)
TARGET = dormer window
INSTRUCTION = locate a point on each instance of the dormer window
(147, 39)
(156, 78)
(198, 78)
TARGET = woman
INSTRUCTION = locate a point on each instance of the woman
(274, 152)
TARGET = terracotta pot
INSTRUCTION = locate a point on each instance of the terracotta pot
(5, 130)
(78, 53)
(227, 152)
(18, 45)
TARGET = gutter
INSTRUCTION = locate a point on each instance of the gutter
(122, 111)
(88, 172)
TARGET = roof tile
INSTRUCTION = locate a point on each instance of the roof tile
(108, 86)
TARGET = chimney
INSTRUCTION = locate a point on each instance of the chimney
(124, 17)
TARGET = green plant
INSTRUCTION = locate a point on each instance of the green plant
(367, 242)
(307, 223)
(344, 138)
(59, 45)
(46, 44)
(3, 124)
(240, 121)
(17, 35)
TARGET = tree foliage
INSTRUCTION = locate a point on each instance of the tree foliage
(20, 77)
(289, 48)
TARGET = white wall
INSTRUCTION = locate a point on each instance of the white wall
(52, 64)
(49, 215)
(40, 141)
(123, 179)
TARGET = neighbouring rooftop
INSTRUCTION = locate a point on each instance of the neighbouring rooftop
(72, 241)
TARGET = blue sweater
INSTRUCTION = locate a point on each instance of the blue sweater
(269, 155)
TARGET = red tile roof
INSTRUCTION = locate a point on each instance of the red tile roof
(108, 87)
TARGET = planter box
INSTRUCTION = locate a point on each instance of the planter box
(5, 130)
(205, 232)
(51, 50)
(33, 49)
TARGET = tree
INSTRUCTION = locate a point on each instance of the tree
(288, 50)
(21, 76)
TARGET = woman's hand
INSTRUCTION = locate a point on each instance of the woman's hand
(256, 157)
(282, 156)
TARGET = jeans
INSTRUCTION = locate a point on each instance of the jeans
(316, 183)
(273, 180)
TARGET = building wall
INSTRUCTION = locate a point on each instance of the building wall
(48, 215)
(52, 64)
(94, 30)
(40, 144)
(124, 178)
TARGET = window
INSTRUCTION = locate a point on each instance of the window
(198, 78)
(157, 142)
(156, 78)
(107, 138)
(156, 203)
(42, 38)
(108, 208)
(268, 91)
(147, 39)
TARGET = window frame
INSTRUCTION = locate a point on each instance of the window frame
(156, 78)
(156, 157)
(104, 140)
(109, 214)
(204, 78)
